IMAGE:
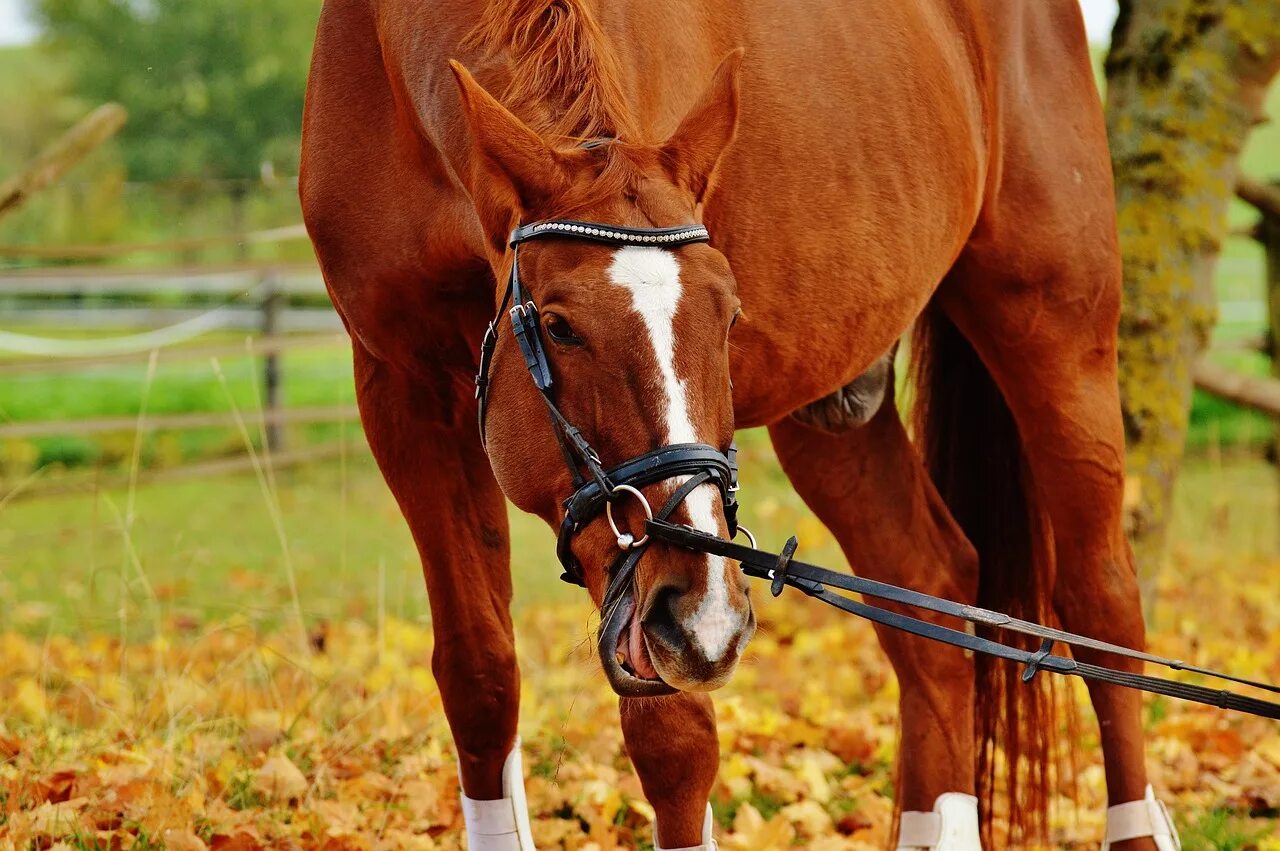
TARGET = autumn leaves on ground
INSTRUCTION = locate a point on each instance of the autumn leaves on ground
(165, 726)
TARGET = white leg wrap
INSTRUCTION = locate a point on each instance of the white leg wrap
(1140, 819)
(501, 825)
(952, 826)
(708, 840)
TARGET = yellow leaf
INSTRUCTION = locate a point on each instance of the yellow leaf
(280, 780)
(811, 773)
(183, 840)
(30, 700)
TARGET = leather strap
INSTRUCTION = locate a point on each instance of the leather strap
(813, 581)
(919, 830)
(680, 459)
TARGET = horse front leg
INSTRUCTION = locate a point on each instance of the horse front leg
(423, 435)
(673, 745)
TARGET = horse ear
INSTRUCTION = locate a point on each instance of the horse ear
(694, 150)
(507, 150)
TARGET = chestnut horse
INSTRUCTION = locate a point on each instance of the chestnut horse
(862, 169)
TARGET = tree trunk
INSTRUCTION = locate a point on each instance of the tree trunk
(1268, 204)
(1185, 83)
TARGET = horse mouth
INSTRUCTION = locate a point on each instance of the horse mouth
(633, 649)
(624, 653)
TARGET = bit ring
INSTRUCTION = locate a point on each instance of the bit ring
(627, 541)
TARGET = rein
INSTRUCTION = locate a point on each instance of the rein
(597, 490)
(781, 570)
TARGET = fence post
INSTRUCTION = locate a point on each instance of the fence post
(273, 301)
(1269, 236)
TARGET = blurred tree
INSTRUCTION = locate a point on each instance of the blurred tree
(214, 88)
(1185, 83)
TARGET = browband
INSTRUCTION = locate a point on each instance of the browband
(610, 234)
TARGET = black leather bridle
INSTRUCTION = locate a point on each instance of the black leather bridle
(597, 489)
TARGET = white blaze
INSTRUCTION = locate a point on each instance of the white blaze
(652, 276)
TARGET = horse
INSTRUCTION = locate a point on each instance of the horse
(935, 170)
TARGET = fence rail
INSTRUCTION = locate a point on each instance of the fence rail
(258, 297)
(252, 346)
(102, 252)
(261, 298)
(292, 279)
(229, 318)
(1255, 392)
(178, 422)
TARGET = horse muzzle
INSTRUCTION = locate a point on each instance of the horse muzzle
(678, 642)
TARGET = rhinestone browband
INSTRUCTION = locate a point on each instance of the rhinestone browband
(614, 235)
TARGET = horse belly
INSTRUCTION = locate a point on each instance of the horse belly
(846, 199)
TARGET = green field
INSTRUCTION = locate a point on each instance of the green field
(319, 377)
(188, 553)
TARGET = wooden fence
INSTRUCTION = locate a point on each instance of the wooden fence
(275, 301)
(283, 306)
(268, 298)
(1255, 392)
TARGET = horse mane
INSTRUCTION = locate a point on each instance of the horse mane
(564, 75)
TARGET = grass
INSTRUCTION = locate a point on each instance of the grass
(319, 377)
(207, 550)
(1223, 830)
(204, 550)
(157, 624)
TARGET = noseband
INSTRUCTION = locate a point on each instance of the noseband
(597, 489)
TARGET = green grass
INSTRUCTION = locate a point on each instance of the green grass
(1224, 830)
(318, 377)
(206, 550)
(315, 377)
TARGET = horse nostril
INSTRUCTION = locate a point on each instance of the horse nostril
(661, 622)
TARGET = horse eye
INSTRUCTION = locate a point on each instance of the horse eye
(560, 330)
(734, 321)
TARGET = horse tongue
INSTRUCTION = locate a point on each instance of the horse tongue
(638, 651)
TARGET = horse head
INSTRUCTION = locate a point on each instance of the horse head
(633, 337)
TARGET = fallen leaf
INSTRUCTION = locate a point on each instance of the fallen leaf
(183, 840)
(280, 780)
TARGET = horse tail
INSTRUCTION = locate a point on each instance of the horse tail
(971, 447)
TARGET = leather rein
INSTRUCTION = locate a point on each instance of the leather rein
(597, 489)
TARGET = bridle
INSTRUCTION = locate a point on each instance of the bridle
(597, 489)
